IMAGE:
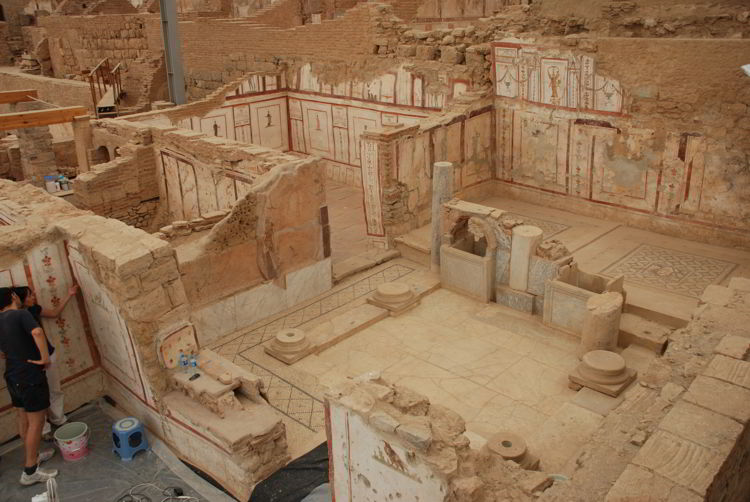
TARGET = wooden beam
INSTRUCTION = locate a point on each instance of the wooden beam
(7, 97)
(36, 118)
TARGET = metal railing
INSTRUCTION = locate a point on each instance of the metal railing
(102, 79)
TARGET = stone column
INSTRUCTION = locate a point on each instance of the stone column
(83, 141)
(523, 246)
(601, 324)
(442, 192)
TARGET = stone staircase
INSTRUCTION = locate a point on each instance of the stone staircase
(148, 70)
(637, 330)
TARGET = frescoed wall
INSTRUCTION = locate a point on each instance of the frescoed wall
(564, 128)
(302, 114)
(111, 334)
(45, 268)
(535, 74)
(193, 190)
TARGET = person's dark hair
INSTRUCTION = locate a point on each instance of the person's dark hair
(22, 292)
(6, 297)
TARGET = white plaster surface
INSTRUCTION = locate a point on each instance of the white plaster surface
(248, 307)
(364, 472)
(524, 243)
(467, 273)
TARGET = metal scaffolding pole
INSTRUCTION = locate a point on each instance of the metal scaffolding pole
(172, 53)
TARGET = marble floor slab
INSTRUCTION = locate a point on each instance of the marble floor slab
(499, 369)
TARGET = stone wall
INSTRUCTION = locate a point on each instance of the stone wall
(449, 10)
(15, 16)
(653, 149)
(126, 187)
(52, 90)
(400, 159)
(6, 56)
(79, 43)
(35, 145)
(132, 307)
(387, 442)
(266, 255)
(87, 7)
(709, 415)
(10, 159)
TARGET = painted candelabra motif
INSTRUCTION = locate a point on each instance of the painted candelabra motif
(52, 278)
(546, 77)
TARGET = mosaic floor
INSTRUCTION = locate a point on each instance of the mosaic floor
(549, 228)
(671, 270)
(284, 395)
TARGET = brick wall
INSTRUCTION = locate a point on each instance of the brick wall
(80, 43)
(126, 187)
(14, 16)
(6, 57)
(283, 14)
(115, 190)
(53, 90)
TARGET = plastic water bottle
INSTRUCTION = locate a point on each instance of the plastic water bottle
(183, 362)
(193, 364)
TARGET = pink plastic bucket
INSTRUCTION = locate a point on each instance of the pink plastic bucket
(73, 440)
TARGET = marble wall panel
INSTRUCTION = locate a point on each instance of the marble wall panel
(270, 124)
(540, 149)
(360, 120)
(318, 128)
(170, 175)
(189, 188)
(109, 329)
(477, 166)
(206, 189)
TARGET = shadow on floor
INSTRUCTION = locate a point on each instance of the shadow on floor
(100, 477)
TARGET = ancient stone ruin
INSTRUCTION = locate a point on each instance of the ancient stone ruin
(486, 251)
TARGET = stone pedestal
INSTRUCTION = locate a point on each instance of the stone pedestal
(603, 372)
(289, 346)
(525, 240)
(511, 446)
(601, 323)
(442, 192)
(395, 297)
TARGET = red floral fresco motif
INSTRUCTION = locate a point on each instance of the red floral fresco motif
(60, 323)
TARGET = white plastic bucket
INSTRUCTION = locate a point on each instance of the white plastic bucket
(73, 440)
